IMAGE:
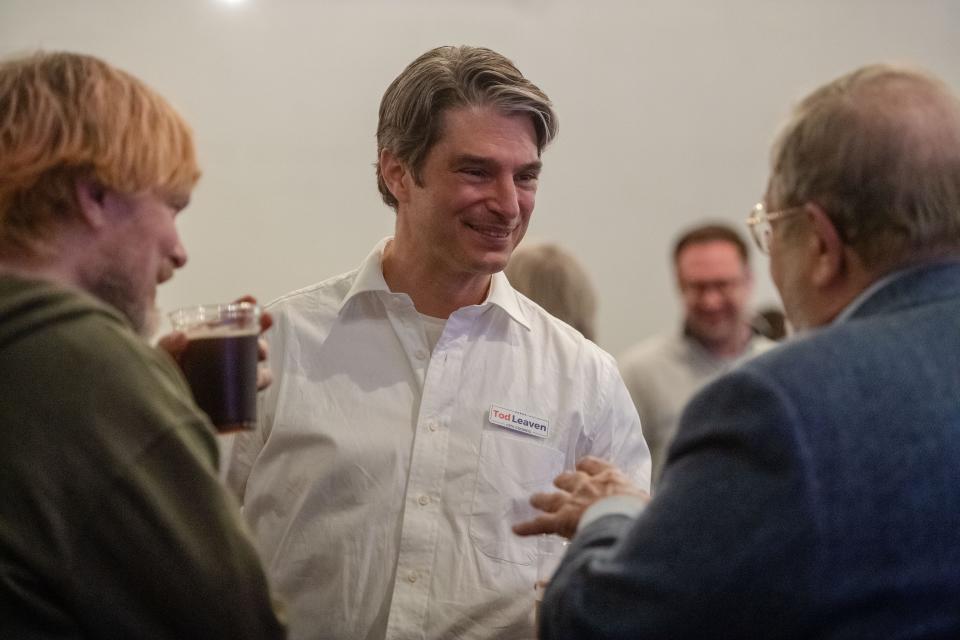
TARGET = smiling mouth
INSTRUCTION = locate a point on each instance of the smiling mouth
(497, 233)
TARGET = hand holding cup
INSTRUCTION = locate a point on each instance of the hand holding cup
(218, 348)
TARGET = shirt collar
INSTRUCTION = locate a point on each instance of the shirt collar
(370, 278)
(507, 298)
(370, 275)
(867, 293)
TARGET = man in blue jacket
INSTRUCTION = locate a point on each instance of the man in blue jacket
(815, 490)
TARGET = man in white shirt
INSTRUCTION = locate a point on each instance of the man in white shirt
(664, 371)
(419, 399)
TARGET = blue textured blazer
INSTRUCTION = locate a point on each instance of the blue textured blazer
(814, 492)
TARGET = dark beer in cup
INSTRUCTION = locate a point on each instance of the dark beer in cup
(220, 361)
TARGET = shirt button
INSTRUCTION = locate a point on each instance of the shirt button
(423, 500)
(420, 354)
(432, 425)
(411, 577)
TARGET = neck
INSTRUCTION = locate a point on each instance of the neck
(59, 258)
(434, 291)
(730, 347)
(830, 299)
(36, 268)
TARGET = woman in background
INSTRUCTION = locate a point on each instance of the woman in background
(554, 279)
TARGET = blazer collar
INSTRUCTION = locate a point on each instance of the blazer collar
(912, 286)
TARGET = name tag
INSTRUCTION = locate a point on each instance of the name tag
(519, 421)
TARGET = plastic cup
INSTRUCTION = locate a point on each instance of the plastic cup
(220, 361)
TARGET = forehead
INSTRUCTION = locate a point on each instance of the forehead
(712, 260)
(486, 131)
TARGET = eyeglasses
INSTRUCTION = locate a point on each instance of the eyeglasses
(759, 223)
(698, 289)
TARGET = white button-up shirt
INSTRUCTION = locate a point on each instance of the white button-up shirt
(378, 486)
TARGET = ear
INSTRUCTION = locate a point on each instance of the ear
(396, 175)
(92, 198)
(829, 254)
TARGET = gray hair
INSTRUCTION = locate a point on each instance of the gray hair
(556, 281)
(879, 150)
(447, 78)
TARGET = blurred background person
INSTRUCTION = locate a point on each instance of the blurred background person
(113, 523)
(553, 278)
(712, 267)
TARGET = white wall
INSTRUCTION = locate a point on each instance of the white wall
(667, 109)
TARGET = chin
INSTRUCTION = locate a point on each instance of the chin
(149, 324)
(490, 264)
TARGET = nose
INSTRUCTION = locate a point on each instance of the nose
(711, 299)
(178, 256)
(505, 199)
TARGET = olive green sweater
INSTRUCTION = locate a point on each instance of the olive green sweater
(113, 523)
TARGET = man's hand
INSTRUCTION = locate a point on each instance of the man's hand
(594, 479)
(175, 343)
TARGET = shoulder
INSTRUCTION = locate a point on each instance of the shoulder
(115, 394)
(796, 377)
(798, 356)
(80, 340)
(314, 306)
(552, 333)
(648, 354)
(322, 296)
(134, 381)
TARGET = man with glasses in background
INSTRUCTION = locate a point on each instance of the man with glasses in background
(663, 372)
(812, 492)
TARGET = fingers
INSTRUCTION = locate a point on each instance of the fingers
(173, 343)
(569, 480)
(578, 489)
(263, 350)
(549, 502)
(592, 466)
(587, 469)
(266, 321)
(552, 521)
(541, 524)
(264, 378)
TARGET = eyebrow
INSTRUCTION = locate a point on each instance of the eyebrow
(536, 165)
(177, 200)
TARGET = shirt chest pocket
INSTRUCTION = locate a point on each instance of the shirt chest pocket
(510, 470)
